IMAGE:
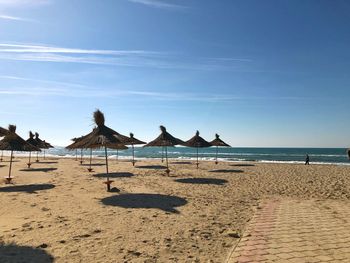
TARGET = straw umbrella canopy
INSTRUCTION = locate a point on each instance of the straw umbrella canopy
(218, 143)
(75, 146)
(33, 142)
(118, 147)
(41, 145)
(13, 142)
(47, 146)
(101, 136)
(197, 142)
(3, 132)
(166, 140)
(133, 141)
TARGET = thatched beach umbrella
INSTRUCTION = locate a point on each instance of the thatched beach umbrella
(33, 142)
(101, 136)
(166, 140)
(133, 141)
(118, 147)
(218, 143)
(47, 146)
(75, 146)
(197, 142)
(3, 132)
(41, 145)
(13, 142)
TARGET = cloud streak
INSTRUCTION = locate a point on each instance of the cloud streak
(126, 58)
(161, 4)
(46, 88)
(22, 3)
(15, 18)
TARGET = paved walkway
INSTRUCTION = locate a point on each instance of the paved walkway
(297, 231)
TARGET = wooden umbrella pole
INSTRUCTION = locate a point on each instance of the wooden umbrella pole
(166, 158)
(108, 182)
(2, 156)
(117, 155)
(44, 154)
(37, 157)
(9, 178)
(162, 154)
(90, 169)
(81, 156)
(133, 155)
(30, 155)
(76, 154)
(216, 158)
(197, 158)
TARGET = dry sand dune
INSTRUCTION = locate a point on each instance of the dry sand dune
(60, 212)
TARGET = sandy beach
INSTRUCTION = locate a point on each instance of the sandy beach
(59, 211)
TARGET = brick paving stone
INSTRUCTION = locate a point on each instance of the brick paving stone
(296, 231)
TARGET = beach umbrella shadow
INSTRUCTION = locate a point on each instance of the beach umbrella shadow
(226, 171)
(181, 163)
(47, 162)
(214, 181)
(45, 170)
(243, 165)
(157, 201)
(30, 189)
(12, 253)
(155, 167)
(114, 175)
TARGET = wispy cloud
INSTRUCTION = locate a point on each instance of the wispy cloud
(22, 3)
(45, 88)
(127, 58)
(160, 4)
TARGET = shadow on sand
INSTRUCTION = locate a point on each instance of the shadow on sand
(155, 167)
(2, 165)
(202, 181)
(114, 175)
(163, 202)
(181, 163)
(30, 189)
(12, 253)
(44, 162)
(243, 165)
(93, 164)
(226, 171)
(45, 170)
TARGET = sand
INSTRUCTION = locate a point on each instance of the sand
(60, 212)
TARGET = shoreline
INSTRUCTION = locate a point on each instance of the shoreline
(191, 214)
(201, 159)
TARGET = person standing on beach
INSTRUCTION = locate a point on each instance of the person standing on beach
(307, 160)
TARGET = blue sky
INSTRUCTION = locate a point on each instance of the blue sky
(260, 73)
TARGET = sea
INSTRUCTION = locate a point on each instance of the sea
(266, 155)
